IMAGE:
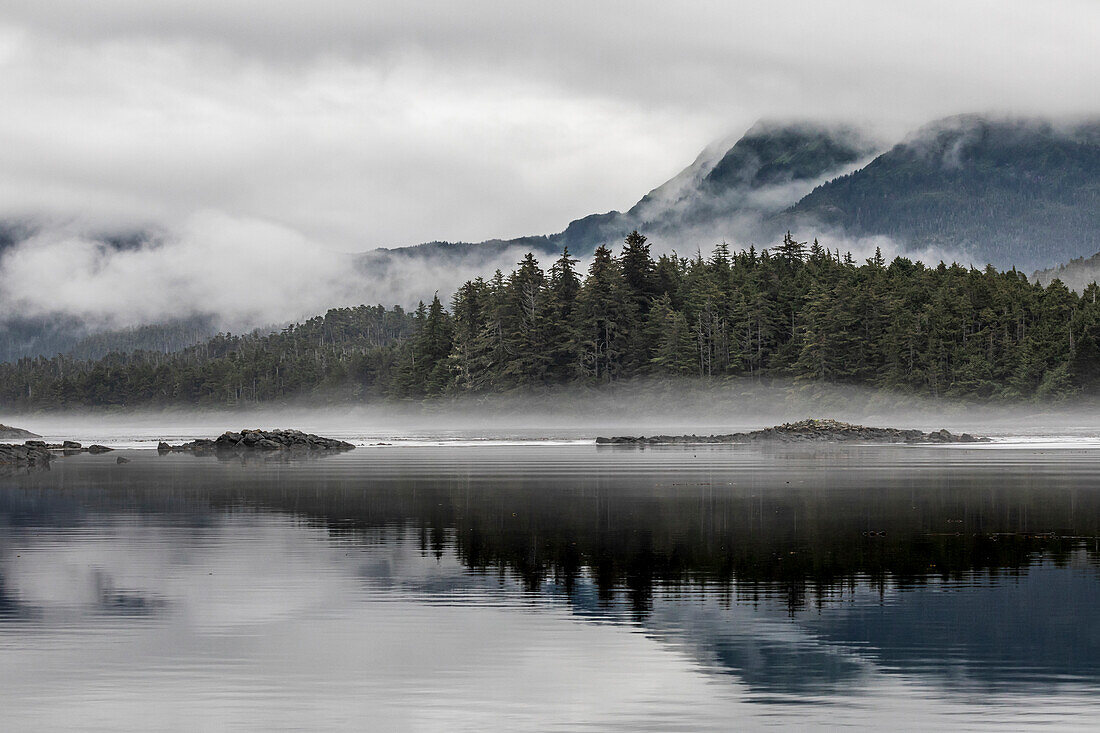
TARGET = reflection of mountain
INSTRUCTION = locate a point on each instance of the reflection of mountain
(1001, 631)
(758, 643)
(993, 632)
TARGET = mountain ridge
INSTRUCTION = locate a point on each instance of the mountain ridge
(1021, 192)
(1015, 192)
(767, 159)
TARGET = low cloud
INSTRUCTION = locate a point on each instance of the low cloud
(426, 120)
(244, 272)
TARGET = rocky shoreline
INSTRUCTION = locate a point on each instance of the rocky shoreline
(34, 456)
(805, 431)
(37, 454)
(259, 441)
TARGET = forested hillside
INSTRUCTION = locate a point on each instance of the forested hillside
(62, 335)
(1022, 191)
(346, 349)
(796, 311)
(1077, 274)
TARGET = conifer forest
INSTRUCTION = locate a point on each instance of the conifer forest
(798, 311)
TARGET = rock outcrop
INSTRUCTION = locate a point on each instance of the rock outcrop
(33, 453)
(806, 431)
(37, 454)
(7, 432)
(71, 447)
(247, 441)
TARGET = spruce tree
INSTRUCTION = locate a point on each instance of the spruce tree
(564, 287)
(604, 316)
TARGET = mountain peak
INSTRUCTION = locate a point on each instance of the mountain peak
(775, 152)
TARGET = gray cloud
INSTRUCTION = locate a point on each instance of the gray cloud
(244, 272)
(346, 126)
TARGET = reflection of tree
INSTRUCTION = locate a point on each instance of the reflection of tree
(631, 536)
(801, 544)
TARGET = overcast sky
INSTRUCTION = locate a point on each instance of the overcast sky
(263, 138)
(358, 124)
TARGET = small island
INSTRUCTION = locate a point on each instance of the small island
(805, 431)
(248, 441)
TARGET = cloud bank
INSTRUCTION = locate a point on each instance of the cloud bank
(242, 272)
(264, 139)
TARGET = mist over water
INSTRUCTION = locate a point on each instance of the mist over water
(580, 414)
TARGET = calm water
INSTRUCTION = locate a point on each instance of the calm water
(554, 588)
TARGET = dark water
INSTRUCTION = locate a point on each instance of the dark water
(554, 588)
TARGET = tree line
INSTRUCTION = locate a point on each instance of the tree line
(796, 311)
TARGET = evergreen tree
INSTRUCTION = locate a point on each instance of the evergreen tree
(639, 287)
(638, 270)
(469, 314)
(527, 330)
(424, 369)
(604, 317)
(564, 288)
(674, 352)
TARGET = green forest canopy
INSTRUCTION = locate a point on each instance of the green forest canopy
(796, 311)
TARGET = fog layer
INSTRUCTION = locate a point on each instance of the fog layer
(577, 413)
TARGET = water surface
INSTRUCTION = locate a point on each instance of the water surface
(554, 587)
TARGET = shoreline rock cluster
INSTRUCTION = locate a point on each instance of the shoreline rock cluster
(248, 441)
(33, 456)
(39, 453)
(805, 431)
(71, 447)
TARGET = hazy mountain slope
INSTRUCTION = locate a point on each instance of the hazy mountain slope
(61, 333)
(730, 192)
(1022, 193)
(1077, 274)
(49, 336)
(1019, 193)
(736, 198)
